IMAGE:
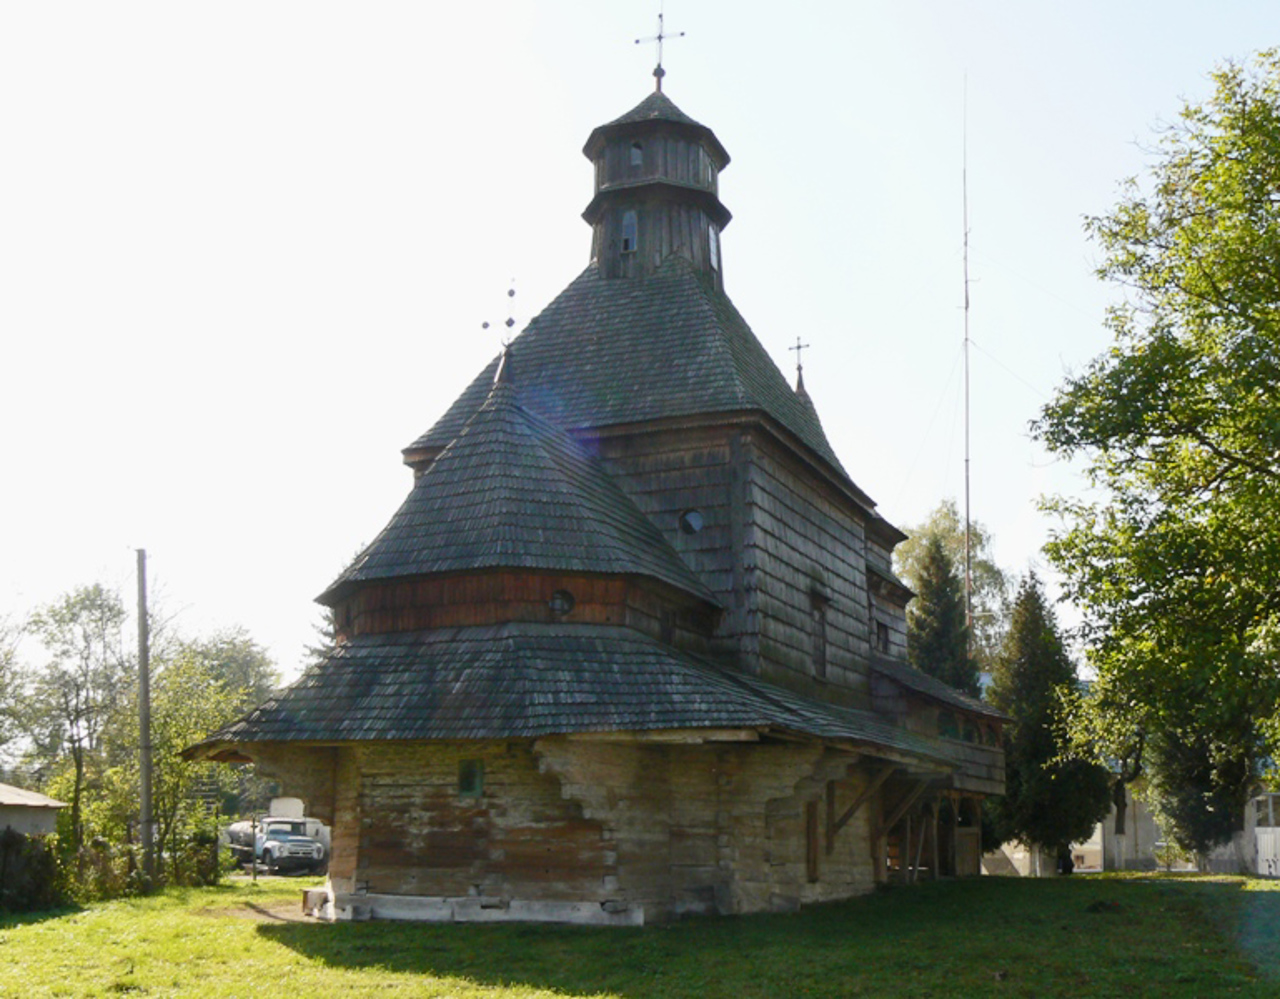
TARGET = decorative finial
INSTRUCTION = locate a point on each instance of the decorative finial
(658, 71)
(503, 375)
(799, 365)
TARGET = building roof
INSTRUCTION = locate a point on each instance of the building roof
(10, 795)
(601, 354)
(524, 680)
(657, 108)
(514, 491)
(922, 683)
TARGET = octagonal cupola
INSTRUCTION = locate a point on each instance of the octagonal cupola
(656, 191)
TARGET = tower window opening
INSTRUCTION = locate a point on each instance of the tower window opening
(629, 232)
(713, 244)
(637, 154)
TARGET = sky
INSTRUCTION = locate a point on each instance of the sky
(247, 249)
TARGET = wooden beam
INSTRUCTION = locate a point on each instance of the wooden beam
(670, 737)
(881, 776)
(907, 801)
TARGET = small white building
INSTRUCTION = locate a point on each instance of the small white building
(28, 812)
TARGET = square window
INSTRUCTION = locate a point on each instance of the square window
(470, 778)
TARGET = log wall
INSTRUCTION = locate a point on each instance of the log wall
(579, 828)
(808, 552)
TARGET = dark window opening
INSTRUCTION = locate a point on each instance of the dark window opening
(637, 154)
(691, 522)
(561, 602)
(820, 639)
(629, 232)
(882, 636)
(470, 778)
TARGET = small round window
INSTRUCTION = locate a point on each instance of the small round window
(561, 602)
(691, 521)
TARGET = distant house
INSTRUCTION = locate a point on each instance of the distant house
(633, 647)
(28, 812)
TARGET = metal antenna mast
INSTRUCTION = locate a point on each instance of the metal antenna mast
(968, 540)
(659, 72)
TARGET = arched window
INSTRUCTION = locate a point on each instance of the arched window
(628, 232)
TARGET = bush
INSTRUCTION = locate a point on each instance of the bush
(31, 876)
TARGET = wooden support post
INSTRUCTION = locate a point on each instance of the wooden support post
(877, 842)
(955, 836)
(915, 868)
(831, 816)
(933, 826)
(904, 856)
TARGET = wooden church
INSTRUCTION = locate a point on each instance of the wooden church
(632, 647)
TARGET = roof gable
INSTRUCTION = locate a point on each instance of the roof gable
(513, 491)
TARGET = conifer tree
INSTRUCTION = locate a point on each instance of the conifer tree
(937, 640)
(1050, 800)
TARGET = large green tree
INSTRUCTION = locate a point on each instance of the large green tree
(937, 639)
(989, 583)
(1052, 798)
(1177, 566)
(69, 700)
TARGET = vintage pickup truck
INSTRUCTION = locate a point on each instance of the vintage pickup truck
(279, 843)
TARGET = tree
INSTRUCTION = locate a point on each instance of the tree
(69, 701)
(1052, 799)
(325, 640)
(1177, 569)
(238, 662)
(937, 640)
(10, 703)
(989, 584)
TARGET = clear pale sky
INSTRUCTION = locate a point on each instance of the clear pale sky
(246, 248)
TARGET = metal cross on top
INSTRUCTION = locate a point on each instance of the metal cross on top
(799, 366)
(659, 72)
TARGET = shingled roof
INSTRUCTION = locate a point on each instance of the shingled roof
(618, 351)
(913, 679)
(514, 491)
(658, 109)
(528, 680)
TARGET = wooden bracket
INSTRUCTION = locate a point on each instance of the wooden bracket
(907, 801)
(834, 825)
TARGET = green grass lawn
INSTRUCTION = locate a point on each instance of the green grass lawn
(1082, 936)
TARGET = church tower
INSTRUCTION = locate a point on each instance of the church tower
(656, 192)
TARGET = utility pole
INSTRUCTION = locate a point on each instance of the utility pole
(147, 823)
(968, 541)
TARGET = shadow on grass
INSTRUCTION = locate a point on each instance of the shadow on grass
(1050, 937)
(1247, 911)
(9, 920)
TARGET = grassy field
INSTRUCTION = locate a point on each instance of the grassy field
(1082, 936)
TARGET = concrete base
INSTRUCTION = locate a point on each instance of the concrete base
(436, 909)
